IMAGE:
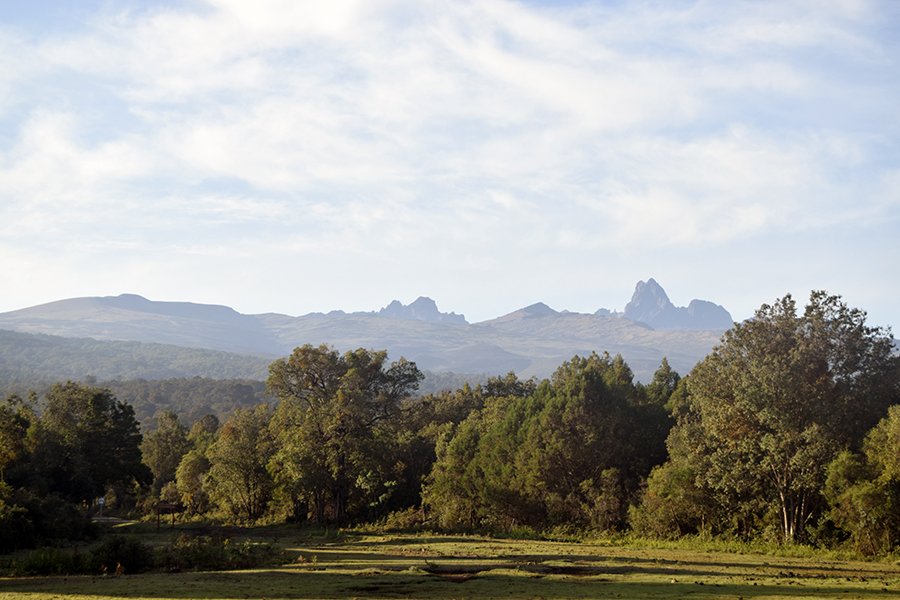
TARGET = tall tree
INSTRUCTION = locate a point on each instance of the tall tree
(84, 441)
(331, 406)
(15, 418)
(240, 480)
(781, 396)
(164, 448)
(863, 489)
(570, 452)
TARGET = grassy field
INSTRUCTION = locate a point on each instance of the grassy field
(359, 566)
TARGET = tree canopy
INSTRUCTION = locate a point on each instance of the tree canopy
(779, 398)
(84, 441)
(332, 406)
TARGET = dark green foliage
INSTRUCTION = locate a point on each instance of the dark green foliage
(332, 425)
(51, 560)
(863, 489)
(572, 451)
(121, 554)
(215, 553)
(126, 555)
(16, 529)
(16, 417)
(438, 383)
(54, 518)
(164, 448)
(189, 398)
(769, 409)
(239, 480)
(84, 441)
(191, 479)
(27, 520)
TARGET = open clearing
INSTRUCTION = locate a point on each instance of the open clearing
(443, 567)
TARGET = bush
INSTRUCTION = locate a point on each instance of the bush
(410, 519)
(16, 530)
(215, 553)
(51, 561)
(27, 520)
(54, 519)
(121, 554)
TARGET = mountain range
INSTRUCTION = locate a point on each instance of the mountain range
(531, 341)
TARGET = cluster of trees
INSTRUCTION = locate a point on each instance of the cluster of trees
(347, 440)
(787, 430)
(570, 450)
(83, 443)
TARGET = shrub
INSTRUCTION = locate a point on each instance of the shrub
(16, 530)
(53, 518)
(51, 561)
(119, 552)
(215, 553)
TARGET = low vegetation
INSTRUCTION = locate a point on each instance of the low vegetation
(783, 438)
(368, 564)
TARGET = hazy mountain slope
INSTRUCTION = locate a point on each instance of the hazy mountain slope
(130, 317)
(532, 341)
(643, 348)
(26, 357)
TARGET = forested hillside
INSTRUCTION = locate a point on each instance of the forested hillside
(153, 378)
(25, 357)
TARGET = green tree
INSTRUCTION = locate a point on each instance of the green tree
(863, 489)
(574, 451)
(331, 409)
(190, 479)
(665, 382)
(164, 448)
(240, 481)
(509, 385)
(15, 418)
(780, 397)
(85, 441)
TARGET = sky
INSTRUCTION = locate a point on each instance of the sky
(288, 156)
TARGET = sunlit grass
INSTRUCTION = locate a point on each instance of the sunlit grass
(357, 564)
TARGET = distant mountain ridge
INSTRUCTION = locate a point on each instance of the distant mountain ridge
(531, 341)
(422, 309)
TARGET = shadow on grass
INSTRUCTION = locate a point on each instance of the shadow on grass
(308, 584)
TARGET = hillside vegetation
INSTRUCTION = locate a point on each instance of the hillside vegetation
(25, 357)
(785, 434)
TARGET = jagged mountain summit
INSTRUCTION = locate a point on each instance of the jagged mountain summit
(423, 309)
(652, 306)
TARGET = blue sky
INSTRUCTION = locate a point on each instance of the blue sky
(293, 157)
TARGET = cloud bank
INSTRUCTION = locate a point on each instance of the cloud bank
(292, 156)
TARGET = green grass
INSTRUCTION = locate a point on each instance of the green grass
(348, 565)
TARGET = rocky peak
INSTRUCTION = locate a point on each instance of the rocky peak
(423, 309)
(650, 304)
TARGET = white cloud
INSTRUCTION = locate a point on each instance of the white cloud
(495, 135)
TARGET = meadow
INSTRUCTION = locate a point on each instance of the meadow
(366, 564)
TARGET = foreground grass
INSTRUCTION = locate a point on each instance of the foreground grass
(442, 567)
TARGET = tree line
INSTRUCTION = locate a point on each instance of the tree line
(787, 431)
